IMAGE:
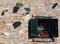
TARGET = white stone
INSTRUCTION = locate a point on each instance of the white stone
(6, 33)
(27, 18)
(21, 32)
(52, 43)
(53, 1)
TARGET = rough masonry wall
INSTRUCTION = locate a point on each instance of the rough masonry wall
(38, 8)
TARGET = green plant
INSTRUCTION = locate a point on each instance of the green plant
(16, 8)
(19, 4)
(40, 29)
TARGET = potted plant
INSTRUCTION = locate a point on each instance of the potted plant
(27, 9)
(16, 24)
(40, 30)
(16, 8)
(45, 33)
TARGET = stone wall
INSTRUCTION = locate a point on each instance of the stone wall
(9, 35)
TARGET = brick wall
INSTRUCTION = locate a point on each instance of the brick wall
(38, 8)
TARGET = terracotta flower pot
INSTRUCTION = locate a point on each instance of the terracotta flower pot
(44, 34)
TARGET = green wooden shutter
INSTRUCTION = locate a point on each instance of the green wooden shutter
(54, 28)
(33, 28)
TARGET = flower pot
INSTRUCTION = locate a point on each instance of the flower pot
(16, 24)
(44, 34)
(15, 9)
